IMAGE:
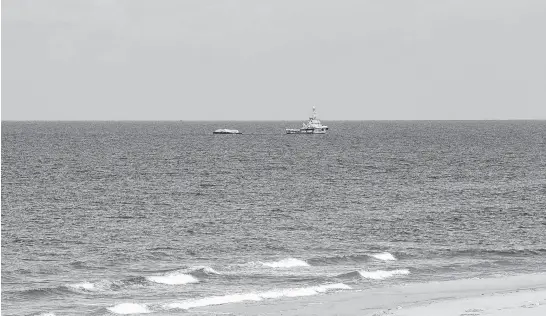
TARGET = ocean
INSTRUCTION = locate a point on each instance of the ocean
(108, 218)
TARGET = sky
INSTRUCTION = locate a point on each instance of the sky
(273, 60)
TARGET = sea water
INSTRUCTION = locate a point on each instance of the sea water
(106, 218)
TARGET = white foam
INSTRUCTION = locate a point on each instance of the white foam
(381, 274)
(335, 286)
(236, 298)
(210, 270)
(47, 314)
(85, 286)
(304, 291)
(384, 256)
(289, 293)
(215, 300)
(99, 286)
(173, 279)
(129, 308)
(286, 263)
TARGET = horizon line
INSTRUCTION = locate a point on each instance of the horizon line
(338, 120)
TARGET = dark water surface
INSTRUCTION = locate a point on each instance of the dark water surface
(103, 218)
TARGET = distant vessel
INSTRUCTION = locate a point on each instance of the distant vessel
(313, 126)
(226, 131)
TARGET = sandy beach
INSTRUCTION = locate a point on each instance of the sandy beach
(514, 295)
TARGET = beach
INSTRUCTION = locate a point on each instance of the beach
(513, 295)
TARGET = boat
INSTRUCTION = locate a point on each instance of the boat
(226, 131)
(312, 126)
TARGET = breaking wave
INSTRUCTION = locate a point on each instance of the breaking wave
(183, 276)
(235, 298)
(384, 256)
(84, 286)
(133, 308)
(215, 300)
(201, 271)
(129, 308)
(173, 279)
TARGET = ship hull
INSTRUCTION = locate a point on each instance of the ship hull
(307, 131)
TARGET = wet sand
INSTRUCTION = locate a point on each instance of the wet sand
(515, 295)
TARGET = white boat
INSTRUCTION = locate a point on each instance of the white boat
(312, 126)
(226, 131)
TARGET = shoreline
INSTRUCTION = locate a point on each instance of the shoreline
(507, 295)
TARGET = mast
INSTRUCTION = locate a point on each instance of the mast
(314, 113)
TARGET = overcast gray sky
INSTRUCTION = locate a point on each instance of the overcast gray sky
(273, 60)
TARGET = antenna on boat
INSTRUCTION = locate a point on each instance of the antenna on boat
(314, 113)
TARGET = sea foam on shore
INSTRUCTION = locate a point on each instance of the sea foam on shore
(511, 295)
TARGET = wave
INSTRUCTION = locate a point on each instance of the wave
(196, 271)
(106, 285)
(98, 287)
(35, 293)
(185, 275)
(84, 286)
(201, 271)
(375, 275)
(135, 308)
(129, 308)
(306, 291)
(355, 258)
(92, 288)
(215, 300)
(285, 263)
(62, 290)
(385, 256)
(173, 279)
(339, 259)
(349, 276)
(236, 298)
(382, 274)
